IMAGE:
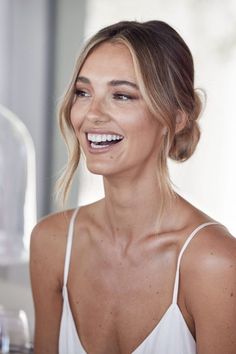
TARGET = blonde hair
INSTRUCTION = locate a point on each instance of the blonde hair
(165, 74)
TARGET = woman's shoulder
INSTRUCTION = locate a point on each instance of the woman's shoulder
(48, 238)
(48, 242)
(53, 226)
(208, 283)
(211, 254)
(213, 244)
(209, 267)
(50, 234)
(212, 241)
(217, 254)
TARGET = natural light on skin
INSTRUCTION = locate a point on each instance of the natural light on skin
(108, 101)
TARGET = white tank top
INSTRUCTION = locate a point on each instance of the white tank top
(170, 336)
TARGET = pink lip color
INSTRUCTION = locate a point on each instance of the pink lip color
(99, 151)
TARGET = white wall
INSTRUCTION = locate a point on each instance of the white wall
(208, 27)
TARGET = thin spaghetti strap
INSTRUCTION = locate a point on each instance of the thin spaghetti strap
(69, 245)
(190, 237)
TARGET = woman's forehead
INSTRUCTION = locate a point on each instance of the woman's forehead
(109, 59)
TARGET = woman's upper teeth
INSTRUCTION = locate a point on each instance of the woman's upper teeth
(97, 138)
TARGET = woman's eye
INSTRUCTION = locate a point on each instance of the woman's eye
(81, 93)
(122, 97)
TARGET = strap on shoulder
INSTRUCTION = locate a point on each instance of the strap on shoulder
(189, 238)
(69, 245)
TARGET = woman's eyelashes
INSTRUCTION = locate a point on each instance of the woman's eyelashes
(123, 97)
(81, 93)
(119, 96)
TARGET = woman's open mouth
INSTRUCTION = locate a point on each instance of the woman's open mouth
(103, 141)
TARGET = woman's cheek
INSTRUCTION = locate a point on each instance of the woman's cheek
(75, 117)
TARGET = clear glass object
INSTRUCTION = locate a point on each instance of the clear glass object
(17, 188)
(14, 332)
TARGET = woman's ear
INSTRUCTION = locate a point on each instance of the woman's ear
(181, 121)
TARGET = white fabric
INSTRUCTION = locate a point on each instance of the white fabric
(170, 336)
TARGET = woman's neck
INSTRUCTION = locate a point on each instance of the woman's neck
(132, 207)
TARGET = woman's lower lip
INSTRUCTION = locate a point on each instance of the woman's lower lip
(99, 150)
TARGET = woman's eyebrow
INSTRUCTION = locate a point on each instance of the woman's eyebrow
(85, 80)
(123, 82)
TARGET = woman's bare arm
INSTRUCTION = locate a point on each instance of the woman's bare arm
(48, 243)
(211, 291)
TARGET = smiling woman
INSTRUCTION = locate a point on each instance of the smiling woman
(122, 280)
(108, 103)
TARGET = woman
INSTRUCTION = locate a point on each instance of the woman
(142, 270)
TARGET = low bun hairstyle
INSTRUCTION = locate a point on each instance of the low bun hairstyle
(165, 74)
(184, 143)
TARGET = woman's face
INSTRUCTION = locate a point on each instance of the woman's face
(111, 120)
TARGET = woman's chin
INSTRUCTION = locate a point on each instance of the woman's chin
(99, 169)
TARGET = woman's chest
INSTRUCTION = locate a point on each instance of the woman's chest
(117, 304)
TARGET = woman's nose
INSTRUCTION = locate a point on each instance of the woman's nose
(97, 111)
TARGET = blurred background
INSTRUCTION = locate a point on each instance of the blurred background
(39, 42)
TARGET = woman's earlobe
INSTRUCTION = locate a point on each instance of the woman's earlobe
(181, 121)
